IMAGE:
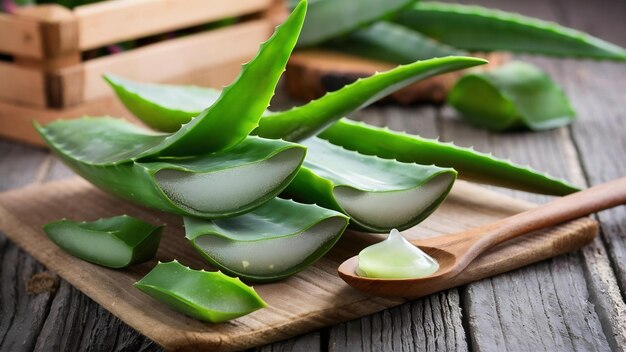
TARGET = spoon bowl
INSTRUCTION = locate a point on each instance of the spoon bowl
(402, 287)
(454, 252)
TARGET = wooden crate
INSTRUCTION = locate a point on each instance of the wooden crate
(45, 78)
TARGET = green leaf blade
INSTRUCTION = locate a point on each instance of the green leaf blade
(209, 296)
(328, 19)
(471, 165)
(391, 42)
(477, 28)
(512, 96)
(163, 107)
(307, 120)
(238, 109)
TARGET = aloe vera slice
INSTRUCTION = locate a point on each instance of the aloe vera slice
(150, 100)
(112, 242)
(214, 185)
(209, 296)
(327, 19)
(390, 42)
(513, 96)
(477, 28)
(270, 243)
(470, 164)
(377, 194)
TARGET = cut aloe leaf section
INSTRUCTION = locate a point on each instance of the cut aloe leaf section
(470, 164)
(294, 124)
(214, 185)
(390, 42)
(327, 19)
(477, 28)
(516, 95)
(270, 243)
(115, 242)
(377, 194)
(161, 106)
(209, 296)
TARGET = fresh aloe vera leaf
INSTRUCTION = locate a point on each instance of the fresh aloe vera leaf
(270, 243)
(112, 242)
(155, 105)
(377, 194)
(214, 185)
(470, 164)
(477, 28)
(209, 296)
(240, 105)
(161, 106)
(307, 120)
(516, 95)
(327, 19)
(390, 42)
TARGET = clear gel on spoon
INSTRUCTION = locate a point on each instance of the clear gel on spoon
(395, 258)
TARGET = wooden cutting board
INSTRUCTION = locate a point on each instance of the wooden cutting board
(315, 298)
(313, 72)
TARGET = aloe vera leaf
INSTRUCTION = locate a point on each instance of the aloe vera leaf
(214, 185)
(470, 164)
(209, 296)
(115, 242)
(327, 19)
(377, 194)
(294, 124)
(240, 105)
(515, 95)
(270, 243)
(161, 106)
(477, 28)
(307, 120)
(391, 42)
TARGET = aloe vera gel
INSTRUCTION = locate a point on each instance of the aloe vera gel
(395, 258)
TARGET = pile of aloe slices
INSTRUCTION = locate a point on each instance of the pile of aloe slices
(220, 159)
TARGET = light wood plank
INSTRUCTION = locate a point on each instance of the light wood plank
(22, 85)
(20, 37)
(114, 21)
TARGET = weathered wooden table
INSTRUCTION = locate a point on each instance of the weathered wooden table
(573, 302)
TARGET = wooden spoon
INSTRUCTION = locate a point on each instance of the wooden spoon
(455, 252)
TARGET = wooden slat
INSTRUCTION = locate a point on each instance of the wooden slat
(16, 120)
(22, 85)
(170, 59)
(119, 20)
(20, 37)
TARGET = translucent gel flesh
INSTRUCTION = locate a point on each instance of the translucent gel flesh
(265, 257)
(228, 189)
(391, 209)
(395, 258)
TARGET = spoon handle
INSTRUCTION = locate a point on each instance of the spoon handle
(570, 207)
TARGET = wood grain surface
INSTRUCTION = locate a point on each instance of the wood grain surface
(312, 299)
